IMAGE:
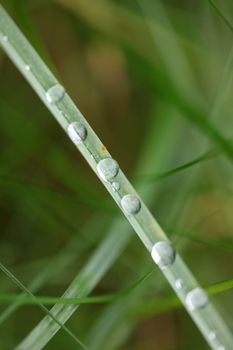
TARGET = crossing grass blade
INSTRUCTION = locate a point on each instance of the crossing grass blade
(25, 289)
(7, 298)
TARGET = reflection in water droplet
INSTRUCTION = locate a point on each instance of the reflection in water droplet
(77, 132)
(28, 67)
(163, 254)
(107, 169)
(55, 93)
(212, 336)
(5, 38)
(179, 283)
(116, 186)
(196, 299)
(62, 114)
(130, 204)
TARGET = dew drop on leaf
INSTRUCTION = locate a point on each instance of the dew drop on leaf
(130, 204)
(107, 169)
(77, 132)
(163, 254)
(196, 299)
(28, 67)
(116, 186)
(55, 93)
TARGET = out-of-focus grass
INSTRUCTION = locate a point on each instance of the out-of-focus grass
(133, 73)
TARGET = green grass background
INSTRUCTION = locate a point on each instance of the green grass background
(154, 79)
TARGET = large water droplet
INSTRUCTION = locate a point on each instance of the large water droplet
(130, 204)
(196, 299)
(163, 254)
(55, 93)
(77, 132)
(107, 169)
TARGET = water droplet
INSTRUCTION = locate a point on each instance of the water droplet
(28, 67)
(196, 299)
(179, 283)
(5, 38)
(107, 169)
(55, 93)
(77, 132)
(163, 254)
(94, 156)
(116, 186)
(212, 336)
(62, 114)
(130, 204)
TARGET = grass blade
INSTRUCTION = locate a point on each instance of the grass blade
(25, 289)
(221, 15)
(156, 177)
(8, 298)
(59, 103)
(171, 302)
(113, 241)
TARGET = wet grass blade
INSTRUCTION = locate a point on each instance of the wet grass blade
(66, 113)
(171, 302)
(114, 242)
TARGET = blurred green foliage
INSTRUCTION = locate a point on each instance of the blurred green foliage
(154, 79)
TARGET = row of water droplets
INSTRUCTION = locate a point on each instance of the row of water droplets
(162, 252)
(106, 168)
(5, 40)
(195, 299)
(76, 131)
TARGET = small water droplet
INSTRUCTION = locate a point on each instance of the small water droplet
(28, 67)
(163, 254)
(196, 299)
(5, 38)
(62, 114)
(116, 186)
(130, 204)
(179, 283)
(55, 93)
(107, 169)
(94, 156)
(77, 132)
(212, 336)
